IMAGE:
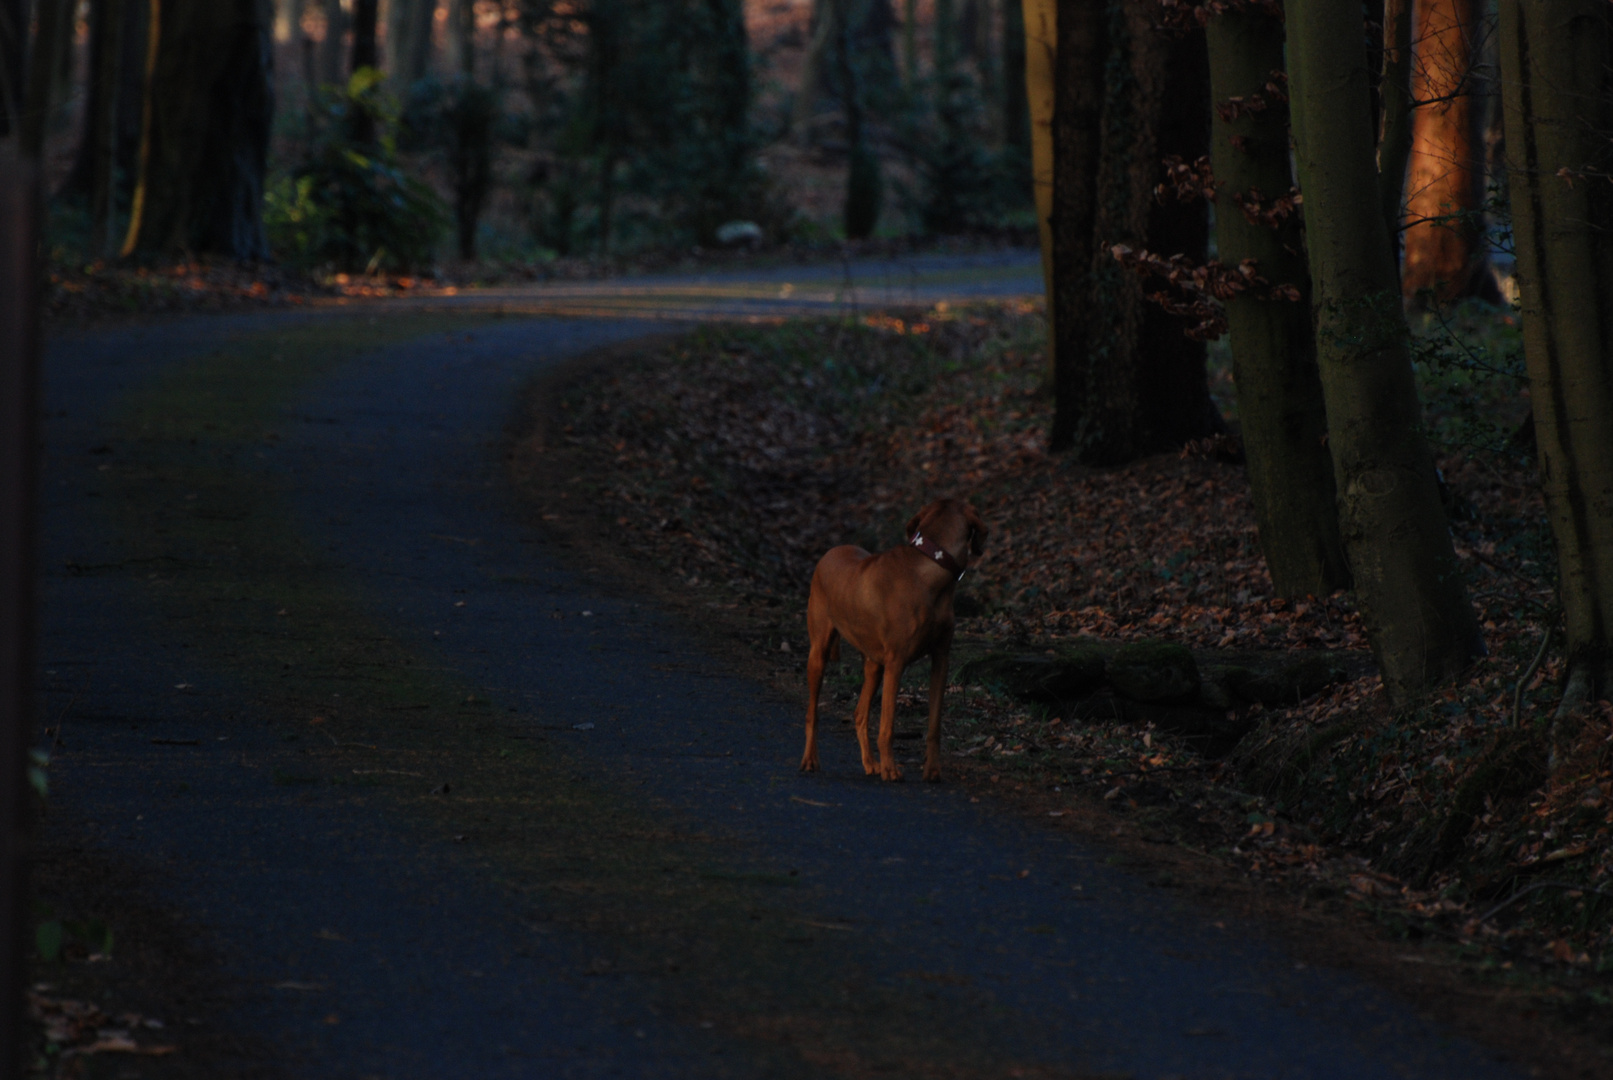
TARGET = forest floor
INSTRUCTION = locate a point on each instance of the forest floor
(728, 459)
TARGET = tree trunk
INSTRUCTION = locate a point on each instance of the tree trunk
(461, 42)
(332, 53)
(824, 16)
(1394, 145)
(1407, 581)
(910, 43)
(287, 20)
(13, 61)
(1076, 141)
(113, 95)
(1273, 349)
(1556, 56)
(408, 41)
(54, 24)
(1041, 35)
(1173, 393)
(101, 127)
(1444, 255)
(210, 107)
(1015, 114)
(365, 53)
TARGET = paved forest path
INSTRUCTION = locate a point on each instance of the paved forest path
(443, 808)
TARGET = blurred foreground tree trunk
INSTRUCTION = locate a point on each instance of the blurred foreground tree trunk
(1557, 71)
(332, 50)
(209, 101)
(408, 41)
(1413, 603)
(1126, 383)
(1280, 409)
(1443, 245)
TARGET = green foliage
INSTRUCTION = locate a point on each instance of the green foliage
(962, 183)
(349, 205)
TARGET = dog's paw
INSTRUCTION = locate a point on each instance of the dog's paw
(809, 764)
(932, 773)
(890, 772)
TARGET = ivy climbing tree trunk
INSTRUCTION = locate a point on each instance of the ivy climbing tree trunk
(1556, 58)
(1284, 422)
(1443, 249)
(209, 103)
(1413, 603)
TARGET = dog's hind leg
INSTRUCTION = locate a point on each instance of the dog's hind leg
(820, 652)
(888, 769)
(865, 701)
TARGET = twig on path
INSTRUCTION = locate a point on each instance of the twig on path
(1528, 673)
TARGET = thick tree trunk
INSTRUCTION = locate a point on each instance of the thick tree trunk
(1015, 114)
(101, 127)
(210, 106)
(1443, 252)
(408, 41)
(1173, 394)
(1273, 349)
(1041, 36)
(1414, 606)
(1076, 136)
(1556, 59)
(113, 95)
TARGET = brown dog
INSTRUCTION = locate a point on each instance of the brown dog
(893, 607)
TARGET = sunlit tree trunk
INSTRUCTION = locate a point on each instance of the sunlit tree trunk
(1413, 603)
(1041, 36)
(210, 106)
(1556, 59)
(1284, 424)
(1443, 252)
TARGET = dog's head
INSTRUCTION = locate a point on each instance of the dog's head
(936, 517)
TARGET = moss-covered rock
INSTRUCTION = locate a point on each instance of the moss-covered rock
(1154, 671)
(1039, 678)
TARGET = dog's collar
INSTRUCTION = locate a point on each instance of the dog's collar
(935, 551)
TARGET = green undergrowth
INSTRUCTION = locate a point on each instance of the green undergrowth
(723, 937)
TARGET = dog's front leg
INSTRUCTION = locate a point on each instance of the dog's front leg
(938, 689)
(865, 701)
(888, 769)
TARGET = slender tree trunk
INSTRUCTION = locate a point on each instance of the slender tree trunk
(1015, 113)
(910, 44)
(1041, 37)
(824, 17)
(210, 107)
(1413, 602)
(1394, 145)
(1445, 256)
(365, 53)
(101, 128)
(54, 23)
(408, 42)
(13, 62)
(461, 49)
(1556, 58)
(332, 51)
(1076, 143)
(1284, 423)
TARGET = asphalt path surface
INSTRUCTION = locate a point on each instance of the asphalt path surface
(369, 942)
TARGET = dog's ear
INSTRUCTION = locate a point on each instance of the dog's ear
(913, 525)
(977, 533)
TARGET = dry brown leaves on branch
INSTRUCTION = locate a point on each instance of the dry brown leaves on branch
(1191, 14)
(1195, 291)
(1258, 211)
(1186, 183)
(1274, 90)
